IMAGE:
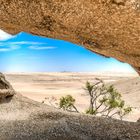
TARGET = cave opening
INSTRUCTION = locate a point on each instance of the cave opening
(115, 25)
(39, 68)
(29, 53)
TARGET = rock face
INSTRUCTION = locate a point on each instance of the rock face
(22, 118)
(6, 89)
(107, 27)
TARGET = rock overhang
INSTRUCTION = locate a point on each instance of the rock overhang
(107, 27)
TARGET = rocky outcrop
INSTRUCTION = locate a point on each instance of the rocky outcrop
(6, 89)
(107, 27)
(22, 118)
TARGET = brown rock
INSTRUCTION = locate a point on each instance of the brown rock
(107, 27)
(6, 89)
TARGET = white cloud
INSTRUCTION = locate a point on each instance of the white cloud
(21, 43)
(9, 48)
(4, 35)
(41, 47)
(27, 43)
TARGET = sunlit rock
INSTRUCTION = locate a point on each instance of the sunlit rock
(107, 27)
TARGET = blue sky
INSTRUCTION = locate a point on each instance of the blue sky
(28, 53)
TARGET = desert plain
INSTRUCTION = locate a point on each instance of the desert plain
(38, 86)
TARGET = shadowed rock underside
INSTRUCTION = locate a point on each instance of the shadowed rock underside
(108, 27)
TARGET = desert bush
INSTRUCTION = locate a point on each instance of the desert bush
(68, 103)
(105, 101)
(51, 101)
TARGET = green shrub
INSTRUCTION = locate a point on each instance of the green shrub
(67, 103)
(105, 100)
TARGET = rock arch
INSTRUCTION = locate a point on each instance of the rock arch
(108, 27)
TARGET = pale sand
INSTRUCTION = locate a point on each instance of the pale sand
(37, 86)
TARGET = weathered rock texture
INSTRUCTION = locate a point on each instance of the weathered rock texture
(6, 89)
(24, 119)
(107, 27)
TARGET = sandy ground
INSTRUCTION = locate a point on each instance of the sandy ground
(38, 86)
